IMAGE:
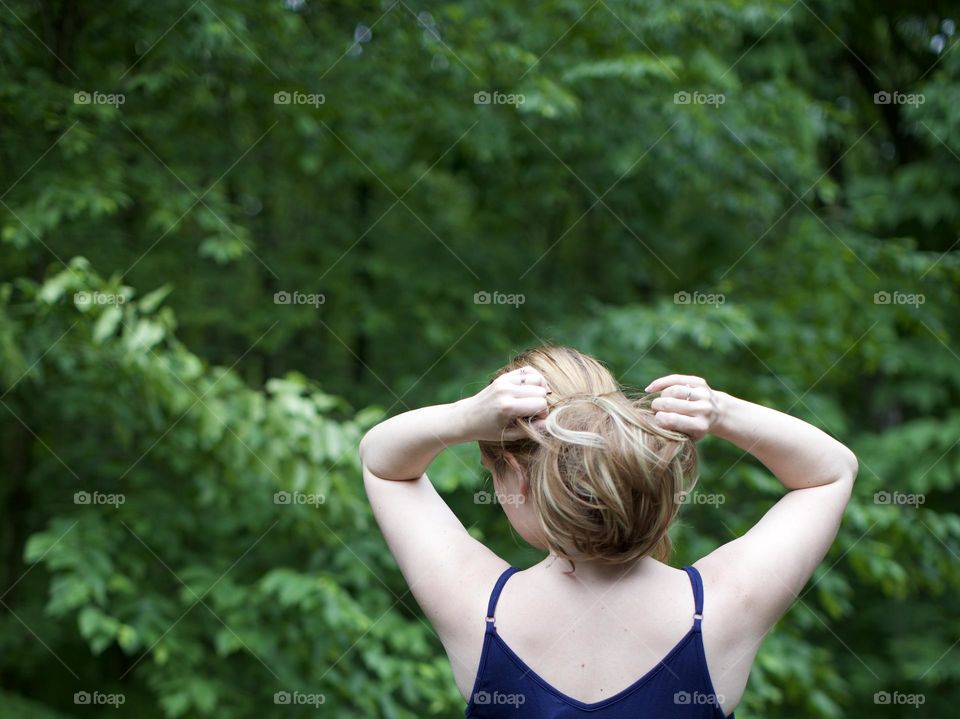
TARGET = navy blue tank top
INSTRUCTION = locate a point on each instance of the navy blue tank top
(678, 686)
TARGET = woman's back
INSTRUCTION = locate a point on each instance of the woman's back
(601, 641)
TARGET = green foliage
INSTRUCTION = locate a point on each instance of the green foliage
(745, 240)
(186, 567)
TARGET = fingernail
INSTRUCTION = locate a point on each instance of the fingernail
(647, 388)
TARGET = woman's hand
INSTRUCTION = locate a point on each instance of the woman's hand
(686, 404)
(494, 412)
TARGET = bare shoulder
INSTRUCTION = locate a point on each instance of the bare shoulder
(731, 630)
(463, 639)
(448, 571)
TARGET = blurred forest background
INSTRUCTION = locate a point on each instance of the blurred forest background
(233, 234)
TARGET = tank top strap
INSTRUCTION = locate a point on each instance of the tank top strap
(697, 583)
(495, 595)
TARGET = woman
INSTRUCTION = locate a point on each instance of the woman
(602, 627)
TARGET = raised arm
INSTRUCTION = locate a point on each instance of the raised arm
(754, 579)
(402, 447)
(778, 555)
(449, 572)
(799, 455)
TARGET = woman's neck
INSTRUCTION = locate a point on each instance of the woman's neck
(592, 569)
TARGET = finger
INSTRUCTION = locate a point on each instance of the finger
(695, 427)
(684, 392)
(512, 432)
(526, 375)
(678, 405)
(528, 390)
(538, 420)
(662, 382)
(528, 406)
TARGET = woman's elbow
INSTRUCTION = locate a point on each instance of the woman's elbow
(363, 449)
(850, 465)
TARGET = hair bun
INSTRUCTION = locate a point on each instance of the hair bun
(605, 478)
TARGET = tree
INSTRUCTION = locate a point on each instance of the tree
(331, 213)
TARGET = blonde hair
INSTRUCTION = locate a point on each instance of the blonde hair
(606, 481)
